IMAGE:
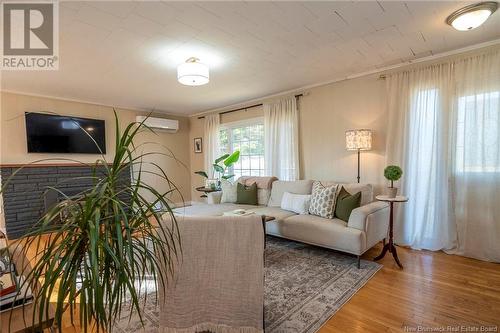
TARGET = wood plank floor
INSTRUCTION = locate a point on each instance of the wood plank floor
(433, 290)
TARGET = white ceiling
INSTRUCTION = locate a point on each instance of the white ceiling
(126, 53)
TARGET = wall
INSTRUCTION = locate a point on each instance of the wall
(14, 148)
(325, 113)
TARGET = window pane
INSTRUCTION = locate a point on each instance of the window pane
(245, 162)
(478, 132)
(249, 140)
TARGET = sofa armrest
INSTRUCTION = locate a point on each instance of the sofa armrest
(376, 211)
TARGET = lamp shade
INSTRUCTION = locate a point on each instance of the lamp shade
(193, 73)
(471, 16)
(358, 139)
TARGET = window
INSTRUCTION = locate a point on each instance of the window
(478, 132)
(248, 138)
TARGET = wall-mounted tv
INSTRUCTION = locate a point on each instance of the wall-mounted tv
(49, 133)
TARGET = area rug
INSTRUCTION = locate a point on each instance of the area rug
(304, 286)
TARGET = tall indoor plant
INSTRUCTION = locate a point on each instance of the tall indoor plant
(95, 249)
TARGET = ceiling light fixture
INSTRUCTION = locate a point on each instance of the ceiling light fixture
(193, 73)
(472, 16)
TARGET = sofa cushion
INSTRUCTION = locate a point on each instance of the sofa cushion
(276, 212)
(246, 195)
(311, 229)
(297, 203)
(323, 200)
(280, 187)
(346, 203)
(365, 189)
(229, 191)
(263, 196)
(264, 185)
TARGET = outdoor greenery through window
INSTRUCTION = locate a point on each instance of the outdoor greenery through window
(248, 138)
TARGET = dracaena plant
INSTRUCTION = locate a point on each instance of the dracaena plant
(221, 166)
(95, 250)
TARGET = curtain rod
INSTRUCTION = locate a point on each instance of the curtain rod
(247, 107)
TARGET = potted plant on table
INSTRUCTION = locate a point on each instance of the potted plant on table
(392, 173)
(220, 166)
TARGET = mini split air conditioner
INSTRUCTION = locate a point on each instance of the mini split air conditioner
(167, 125)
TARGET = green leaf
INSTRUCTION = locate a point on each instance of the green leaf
(201, 173)
(222, 158)
(227, 177)
(233, 158)
(218, 168)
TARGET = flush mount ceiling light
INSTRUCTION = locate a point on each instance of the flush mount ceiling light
(471, 16)
(193, 72)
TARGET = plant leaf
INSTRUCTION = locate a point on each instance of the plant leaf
(218, 168)
(222, 158)
(201, 173)
(227, 177)
(233, 158)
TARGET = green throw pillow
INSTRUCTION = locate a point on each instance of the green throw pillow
(246, 195)
(346, 203)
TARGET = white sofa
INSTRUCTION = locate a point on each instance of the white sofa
(367, 225)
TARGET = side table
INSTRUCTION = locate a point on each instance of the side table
(205, 190)
(20, 319)
(390, 245)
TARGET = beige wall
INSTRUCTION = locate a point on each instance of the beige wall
(14, 147)
(325, 113)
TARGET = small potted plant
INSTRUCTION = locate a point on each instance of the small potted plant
(220, 170)
(392, 173)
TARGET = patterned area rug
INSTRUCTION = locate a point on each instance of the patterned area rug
(305, 285)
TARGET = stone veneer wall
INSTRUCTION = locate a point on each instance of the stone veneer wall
(23, 196)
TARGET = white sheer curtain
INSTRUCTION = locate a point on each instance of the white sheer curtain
(475, 157)
(212, 124)
(281, 135)
(417, 141)
(444, 131)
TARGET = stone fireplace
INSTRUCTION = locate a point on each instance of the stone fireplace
(27, 195)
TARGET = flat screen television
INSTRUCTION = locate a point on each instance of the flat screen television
(60, 134)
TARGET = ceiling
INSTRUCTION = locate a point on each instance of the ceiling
(126, 53)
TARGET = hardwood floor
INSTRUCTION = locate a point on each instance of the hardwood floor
(433, 290)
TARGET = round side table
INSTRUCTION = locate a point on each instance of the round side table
(390, 245)
(205, 190)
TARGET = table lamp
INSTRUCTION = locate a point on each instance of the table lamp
(358, 139)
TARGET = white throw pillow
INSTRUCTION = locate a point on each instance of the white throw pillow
(297, 203)
(229, 191)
